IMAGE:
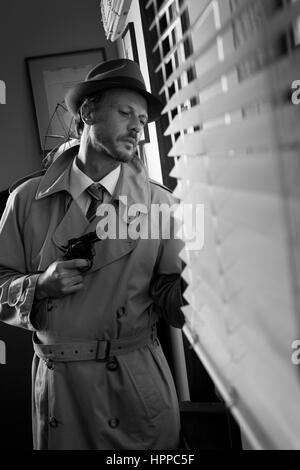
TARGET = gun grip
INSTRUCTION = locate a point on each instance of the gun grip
(88, 267)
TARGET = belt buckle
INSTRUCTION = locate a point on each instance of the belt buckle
(106, 352)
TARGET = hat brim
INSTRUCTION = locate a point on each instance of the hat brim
(76, 95)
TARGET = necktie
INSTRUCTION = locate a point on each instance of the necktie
(96, 191)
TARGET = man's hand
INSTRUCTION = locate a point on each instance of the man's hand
(60, 278)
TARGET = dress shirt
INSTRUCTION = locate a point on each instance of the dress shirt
(79, 182)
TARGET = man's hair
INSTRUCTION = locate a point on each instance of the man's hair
(79, 124)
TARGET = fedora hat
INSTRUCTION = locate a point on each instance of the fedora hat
(117, 73)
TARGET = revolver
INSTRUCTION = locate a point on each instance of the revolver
(81, 247)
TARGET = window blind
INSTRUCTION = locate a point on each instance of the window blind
(235, 141)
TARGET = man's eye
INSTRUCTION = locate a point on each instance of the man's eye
(124, 113)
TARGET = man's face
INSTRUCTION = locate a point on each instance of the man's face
(119, 119)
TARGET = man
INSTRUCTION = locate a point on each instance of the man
(100, 378)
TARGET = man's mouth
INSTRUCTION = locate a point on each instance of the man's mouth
(130, 140)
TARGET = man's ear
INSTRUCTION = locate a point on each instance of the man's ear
(87, 113)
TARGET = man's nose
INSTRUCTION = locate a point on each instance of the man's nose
(135, 124)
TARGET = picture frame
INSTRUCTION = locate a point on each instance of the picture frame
(50, 77)
(129, 43)
(130, 51)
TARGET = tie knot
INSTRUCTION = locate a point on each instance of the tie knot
(96, 190)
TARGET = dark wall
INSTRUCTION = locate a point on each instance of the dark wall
(34, 28)
(27, 29)
(15, 390)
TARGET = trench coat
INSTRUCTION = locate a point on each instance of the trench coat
(127, 401)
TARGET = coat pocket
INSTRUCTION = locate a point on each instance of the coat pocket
(146, 383)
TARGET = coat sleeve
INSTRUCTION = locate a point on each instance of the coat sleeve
(17, 286)
(167, 284)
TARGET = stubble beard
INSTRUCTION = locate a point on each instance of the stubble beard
(112, 151)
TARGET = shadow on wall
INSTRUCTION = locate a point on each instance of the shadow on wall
(3, 198)
(15, 383)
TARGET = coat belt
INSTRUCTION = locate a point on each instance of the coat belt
(97, 350)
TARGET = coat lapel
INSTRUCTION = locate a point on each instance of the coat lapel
(132, 188)
(56, 178)
(109, 250)
(73, 225)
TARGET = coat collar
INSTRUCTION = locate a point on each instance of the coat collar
(133, 187)
(56, 178)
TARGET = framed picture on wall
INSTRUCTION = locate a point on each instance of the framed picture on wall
(50, 78)
(131, 52)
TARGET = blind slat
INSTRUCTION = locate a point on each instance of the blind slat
(238, 154)
(204, 5)
(260, 212)
(255, 133)
(236, 271)
(261, 263)
(275, 26)
(160, 12)
(246, 172)
(270, 83)
(207, 43)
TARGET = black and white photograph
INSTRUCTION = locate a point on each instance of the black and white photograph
(150, 228)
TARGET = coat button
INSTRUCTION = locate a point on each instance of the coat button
(112, 365)
(120, 312)
(113, 422)
(53, 422)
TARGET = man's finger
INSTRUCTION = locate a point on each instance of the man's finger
(73, 289)
(75, 280)
(69, 273)
(75, 264)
